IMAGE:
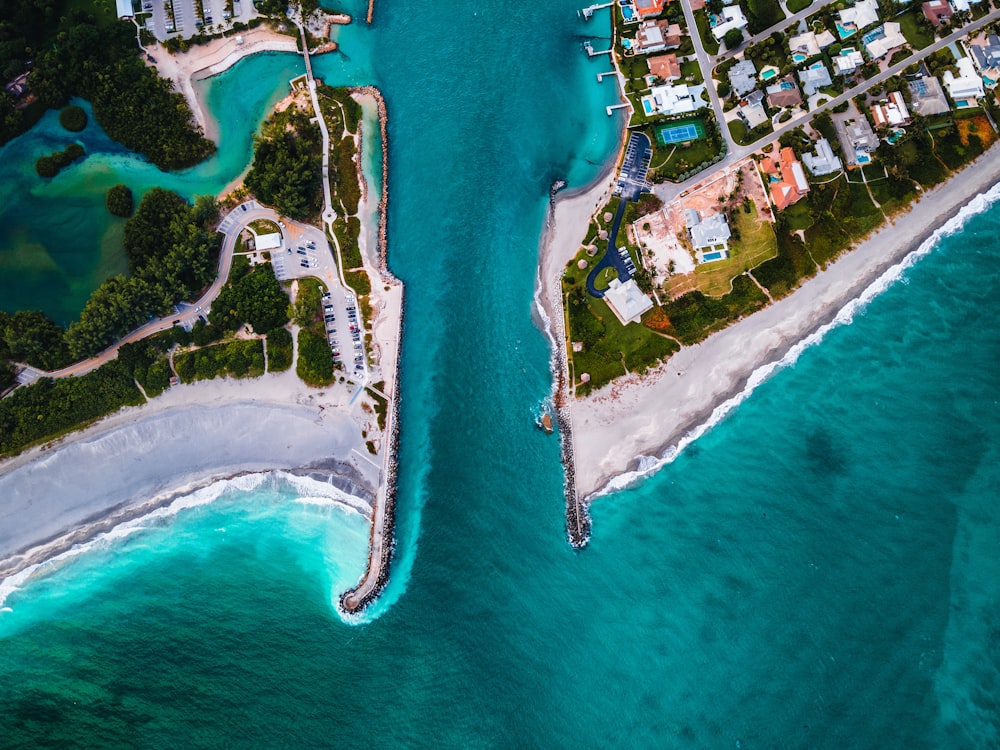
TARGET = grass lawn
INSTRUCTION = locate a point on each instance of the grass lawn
(263, 226)
(610, 349)
(738, 130)
(916, 34)
(704, 29)
(798, 216)
(691, 69)
(605, 277)
(796, 5)
(756, 245)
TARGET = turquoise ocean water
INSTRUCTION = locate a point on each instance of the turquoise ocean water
(819, 570)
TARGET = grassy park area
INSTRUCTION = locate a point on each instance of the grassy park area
(756, 244)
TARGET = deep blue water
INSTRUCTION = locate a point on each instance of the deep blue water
(819, 570)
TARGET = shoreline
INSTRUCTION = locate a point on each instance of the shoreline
(142, 458)
(208, 60)
(652, 417)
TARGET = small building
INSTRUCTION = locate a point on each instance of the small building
(938, 12)
(731, 18)
(814, 78)
(860, 141)
(665, 67)
(863, 14)
(656, 36)
(268, 241)
(709, 236)
(888, 39)
(848, 61)
(125, 9)
(926, 97)
(649, 8)
(823, 161)
(627, 301)
(18, 87)
(783, 93)
(891, 112)
(786, 178)
(967, 86)
(751, 110)
(986, 56)
(743, 77)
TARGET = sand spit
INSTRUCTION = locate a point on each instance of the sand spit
(646, 418)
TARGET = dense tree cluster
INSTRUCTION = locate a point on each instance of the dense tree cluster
(29, 336)
(133, 105)
(315, 364)
(73, 118)
(49, 407)
(287, 165)
(171, 252)
(255, 298)
(54, 163)
(119, 201)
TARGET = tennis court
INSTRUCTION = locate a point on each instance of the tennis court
(690, 130)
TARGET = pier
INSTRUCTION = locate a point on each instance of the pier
(590, 50)
(588, 12)
(600, 76)
(612, 107)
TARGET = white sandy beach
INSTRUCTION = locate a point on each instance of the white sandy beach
(206, 60)
(645, 417)
(186, 438)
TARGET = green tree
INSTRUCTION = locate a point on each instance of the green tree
(119, 201)
(73, 118)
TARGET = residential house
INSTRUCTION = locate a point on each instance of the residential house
(751, 109)
(649, 8)
(804, 44)
(938, 12)
(784, 93)
(125, 9)
(863, 14)
(17, 87)
(627, 301)
(848, 61)
(731, 18)
(891, 112)
(889, 38)
(786, 179)
(967, 86)
(986, 55)
(926, 97)
(665, 67)
(743, 77)
(860, 141)
(963, 6)
(673, 100)
(824, 161)
(709, 236)
(814, 78)
(825, 38)
(656, 36)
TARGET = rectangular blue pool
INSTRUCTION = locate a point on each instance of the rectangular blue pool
(712, 256)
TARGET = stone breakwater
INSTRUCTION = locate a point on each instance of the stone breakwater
(382, 541)
(577, 512)
(357, 599)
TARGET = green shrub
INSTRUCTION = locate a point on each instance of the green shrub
(315, 363)
(279, 350)
(119, 201)
(73, 118)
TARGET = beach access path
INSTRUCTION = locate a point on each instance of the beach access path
(648, 416)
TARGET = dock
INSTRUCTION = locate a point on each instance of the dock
(590, 50)
(588, 12)
(611, 108)
(600, 76)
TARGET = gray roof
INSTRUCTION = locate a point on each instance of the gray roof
(927, 98)
(814, 78)
(824, 161)
(989, 55)
(743, 77)
(713, 230)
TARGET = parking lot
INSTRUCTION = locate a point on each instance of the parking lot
(186, 21)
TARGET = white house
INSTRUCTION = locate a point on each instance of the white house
(125, 9)
(673, 100)
(268, 241)
(848, 61)
(891, 38)
(864, 13)
(627, 301)
(824, 161)
(966, 85)
(731, 18)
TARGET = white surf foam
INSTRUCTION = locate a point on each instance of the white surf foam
(649, 465)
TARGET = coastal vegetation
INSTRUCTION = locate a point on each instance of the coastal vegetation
(314, 365)
(119, 201)
(51, 165)
(238, 358)
(73, 118)
(74, 53)
(287, 164)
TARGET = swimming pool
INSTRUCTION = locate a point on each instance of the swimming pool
(768, 73)
(844, 31)
(862, 158)
(647, 106)
(627, 13)
(717, 255)
(626, 44)
(798, 57)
